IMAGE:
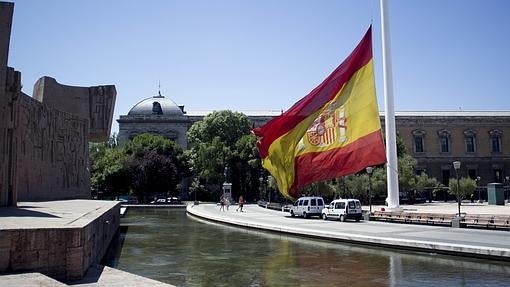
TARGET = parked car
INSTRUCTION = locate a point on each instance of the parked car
(161, 200)
(307, 206)
(127, 199)
(343, 209)
(166, 200)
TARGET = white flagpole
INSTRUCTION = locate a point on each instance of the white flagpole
(389, 118)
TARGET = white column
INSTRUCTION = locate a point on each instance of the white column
(389, 118)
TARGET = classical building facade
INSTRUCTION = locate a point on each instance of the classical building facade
(479, 140)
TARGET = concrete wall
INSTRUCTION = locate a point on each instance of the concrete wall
(93, 103)
(61, 253)
(52, 153)
(7, 176)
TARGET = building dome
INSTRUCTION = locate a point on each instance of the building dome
(157, 105)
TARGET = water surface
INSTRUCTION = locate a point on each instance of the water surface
(172, 247)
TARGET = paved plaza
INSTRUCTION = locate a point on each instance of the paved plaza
(95, 277)
(439, 239)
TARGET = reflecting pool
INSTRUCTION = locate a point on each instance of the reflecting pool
(172, 247)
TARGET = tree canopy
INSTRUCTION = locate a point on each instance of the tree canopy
(222, 149)
(145, 166)
(465, 188)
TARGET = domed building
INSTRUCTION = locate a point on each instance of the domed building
(158, 115)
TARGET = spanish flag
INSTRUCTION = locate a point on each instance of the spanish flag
(333, 131)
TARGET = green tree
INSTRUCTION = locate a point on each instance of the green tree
(210, 159)
(155, 164)
(466, 187)
(379, 185)
(222, 139)
(401, 147)
(227, 125)
(427, 184)
(406, 173)
(152, 174)
(245, 176)
(107, 170)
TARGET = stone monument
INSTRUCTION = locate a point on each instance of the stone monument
(44, 139)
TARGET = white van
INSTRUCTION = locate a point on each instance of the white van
(307, 206)
(343, 209)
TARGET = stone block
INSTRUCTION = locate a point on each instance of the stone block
(75, 268)
(5, 258)
(74, 237)
(5, 239)
(27, 260)
(34, 239)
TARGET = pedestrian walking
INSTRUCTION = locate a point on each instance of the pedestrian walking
(240, 204)
(222, 203)
(227, 202)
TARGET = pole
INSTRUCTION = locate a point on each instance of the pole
(477, 182)
(370, 191)
(458, 190)
(196, 191)
(389, 118)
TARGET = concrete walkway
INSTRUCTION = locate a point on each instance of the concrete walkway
(493, 244)
(98, 276)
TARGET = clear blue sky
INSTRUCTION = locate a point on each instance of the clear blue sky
(264, 54)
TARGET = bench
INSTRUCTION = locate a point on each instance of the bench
(386, 215)
(440, 218)
(477, 220)
(413, 217)
(500, 221)
(468, 220)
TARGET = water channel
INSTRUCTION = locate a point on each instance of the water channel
(170, 246)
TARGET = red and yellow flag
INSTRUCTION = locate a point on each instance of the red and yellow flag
(333, 131)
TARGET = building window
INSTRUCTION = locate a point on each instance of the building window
(445, 144)
(446, 177)
(495, 144)
(444, 141)
(470, 141)
(495, 136)
(156, 109)
(418, 136)
(470, 144)
(418, 144)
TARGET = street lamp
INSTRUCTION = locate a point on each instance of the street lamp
(267, 187)
(477, 183)
(369, 170)
(456, 166)
(507, 180)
